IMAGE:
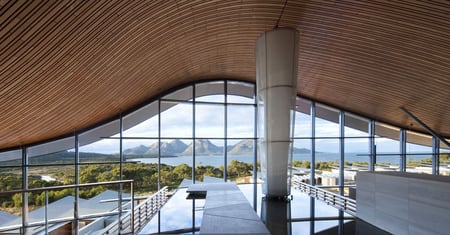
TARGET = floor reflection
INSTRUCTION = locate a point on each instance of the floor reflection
(276, 214)
(299, 215)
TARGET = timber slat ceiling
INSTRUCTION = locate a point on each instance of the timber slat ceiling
(68, 65)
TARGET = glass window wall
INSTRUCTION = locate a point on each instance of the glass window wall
(387, 148)
(206, 132)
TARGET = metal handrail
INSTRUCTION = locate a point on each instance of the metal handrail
(65, 186)
(346, 204)
(143, 212)
(46, 222)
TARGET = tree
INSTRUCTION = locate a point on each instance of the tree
(239, 169)
(17, 200)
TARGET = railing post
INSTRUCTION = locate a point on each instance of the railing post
(46, 211)
(132, 206)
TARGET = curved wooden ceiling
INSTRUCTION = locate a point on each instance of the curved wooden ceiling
(67, 65)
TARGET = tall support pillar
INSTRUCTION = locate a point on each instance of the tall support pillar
(276, 76)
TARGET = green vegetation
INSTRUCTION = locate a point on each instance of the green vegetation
(145, 179)
(444, 158)
(323, 166)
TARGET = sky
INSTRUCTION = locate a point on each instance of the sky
(210, 119)
(178, 121)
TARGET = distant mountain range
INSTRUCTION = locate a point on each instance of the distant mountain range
(202, 147)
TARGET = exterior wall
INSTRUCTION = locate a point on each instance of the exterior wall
(404, 203)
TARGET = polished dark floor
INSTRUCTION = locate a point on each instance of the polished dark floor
(299, 215)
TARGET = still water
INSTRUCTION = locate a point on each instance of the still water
(218, 160)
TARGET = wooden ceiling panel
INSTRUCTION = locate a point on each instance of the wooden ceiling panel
(68, 65)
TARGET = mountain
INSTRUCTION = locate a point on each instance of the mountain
(246, 147)
(139, 150)
(174, 147)
(203, 147)
(242, 147)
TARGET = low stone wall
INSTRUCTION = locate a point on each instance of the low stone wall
(404, 203)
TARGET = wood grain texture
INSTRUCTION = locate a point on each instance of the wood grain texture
(67, 65)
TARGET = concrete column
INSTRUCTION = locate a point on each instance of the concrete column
(276, 77)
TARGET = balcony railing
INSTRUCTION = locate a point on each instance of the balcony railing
(43, 226)
(123, 225)
(143, 213)
(346, 204)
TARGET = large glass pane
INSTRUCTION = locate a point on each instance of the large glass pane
(176, 120)
(102, 151)
(55, 152)
(444, 159)
(209, 121)
(302, 160)
(11, 212)
(60, 207)
(240, 92)
(101, 144)
(302, 155)
(327, 121)
(140, 150)
(356, 147)
(209, 160)
(92, 195)
(92, 173)
(327, 146)
(240, 160)
(145, 176)
(387, 148)
(10, 178)
(210, 92)
(419, 153)
(240, 121)
(327, 162)
(10, 204)
(302, 125)
(142, 123)
(176, 162)
(101, 199)
(11, 158)
(141, 156)
(46, 176)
